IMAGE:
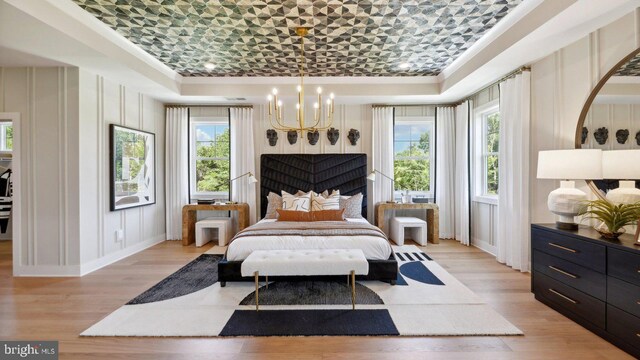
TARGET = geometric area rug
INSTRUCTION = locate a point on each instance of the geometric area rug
(426, 301)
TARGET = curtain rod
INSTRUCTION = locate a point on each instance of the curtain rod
(411, 105)
(456, 103)
(212, 106)
(506, 77)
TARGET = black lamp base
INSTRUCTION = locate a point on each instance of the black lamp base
(566, 226)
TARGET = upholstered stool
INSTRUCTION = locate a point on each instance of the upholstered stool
(306, 263)
(417, 227)
(223, 226)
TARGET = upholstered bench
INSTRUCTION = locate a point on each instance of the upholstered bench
(223, 225)
(306, 263)
(418, 230)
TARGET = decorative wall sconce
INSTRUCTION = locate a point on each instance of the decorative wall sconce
(601, 135)
(354, 135)
(272, 135)
(638, 138)
(333, 135)
(313, 137)
(292, 136)
(585, 132)
(622, 135)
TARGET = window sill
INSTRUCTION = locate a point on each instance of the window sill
(485, 199)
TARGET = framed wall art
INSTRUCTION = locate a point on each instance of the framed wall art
(132, 156)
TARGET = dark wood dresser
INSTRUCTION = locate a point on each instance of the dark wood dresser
(593, 281)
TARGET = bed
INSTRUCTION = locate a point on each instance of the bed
(317, 172)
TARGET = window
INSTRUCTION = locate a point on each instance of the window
(6, 137)
(413, 156)
(209, 152)
(491, 141)
(487, 144)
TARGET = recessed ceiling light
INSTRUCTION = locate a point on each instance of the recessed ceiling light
(404, 65)
(209, 66)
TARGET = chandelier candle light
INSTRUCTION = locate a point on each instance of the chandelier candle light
(276, 106)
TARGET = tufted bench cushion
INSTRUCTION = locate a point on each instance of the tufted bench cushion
(305, 262)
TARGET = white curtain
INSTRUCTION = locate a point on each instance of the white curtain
(243, 158)
(382, 155)
(445, 169)
(177, 169)
(462, 173)
(513, 177)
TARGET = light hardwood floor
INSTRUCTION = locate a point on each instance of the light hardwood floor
(61, 308)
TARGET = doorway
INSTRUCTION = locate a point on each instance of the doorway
(9, 192)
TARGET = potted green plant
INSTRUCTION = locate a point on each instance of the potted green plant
(613, 217)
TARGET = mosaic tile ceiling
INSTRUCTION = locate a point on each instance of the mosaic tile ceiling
(632, 68)
(257, 38)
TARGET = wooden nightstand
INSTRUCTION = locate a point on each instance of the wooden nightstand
(189, 217)
(432, 217)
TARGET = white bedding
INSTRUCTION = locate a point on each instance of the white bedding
(374, 248)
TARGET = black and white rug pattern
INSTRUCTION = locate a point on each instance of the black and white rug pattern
(427, 300)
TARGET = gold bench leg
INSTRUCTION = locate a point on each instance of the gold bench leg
(353, 289)
(257, 286)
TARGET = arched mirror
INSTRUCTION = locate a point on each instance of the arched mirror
(610, 119)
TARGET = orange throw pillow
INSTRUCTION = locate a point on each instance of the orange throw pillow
(293, 215)
(328, 215)
(322, 215)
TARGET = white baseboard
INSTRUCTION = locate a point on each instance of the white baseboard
(46, 271)
(484, 246)
(119, 255)
(84, 269)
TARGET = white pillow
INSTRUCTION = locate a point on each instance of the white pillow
(296, 202)
(331, 202)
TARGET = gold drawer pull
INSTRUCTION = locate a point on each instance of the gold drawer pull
(563, 296)
(563, 248)
(562, 272)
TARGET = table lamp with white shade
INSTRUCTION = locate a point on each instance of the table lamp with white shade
(625, 166)
(568, 165)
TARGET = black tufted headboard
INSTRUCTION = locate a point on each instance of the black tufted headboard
(317, 172)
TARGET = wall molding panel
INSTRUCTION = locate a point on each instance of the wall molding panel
(66, 228)
(44, 98)
(345, 118)
(109, 103)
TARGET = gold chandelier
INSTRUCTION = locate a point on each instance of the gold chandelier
(276, 106)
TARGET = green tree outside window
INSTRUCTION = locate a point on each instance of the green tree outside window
(212, 161)
(412, 163)
(492, 126)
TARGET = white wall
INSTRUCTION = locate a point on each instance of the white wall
(47, 100)
(103, 102)
(560, 84)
